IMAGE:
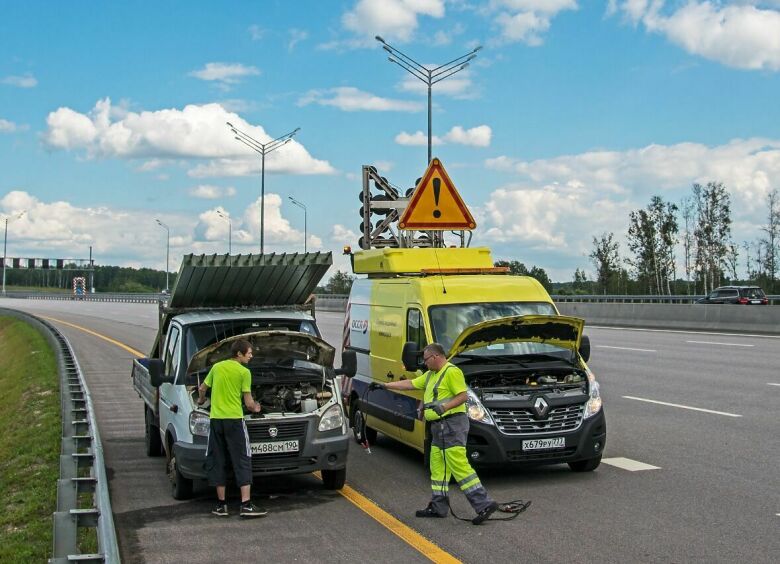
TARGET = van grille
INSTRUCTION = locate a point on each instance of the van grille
(522, 456)
(521, 421)
(258, 431)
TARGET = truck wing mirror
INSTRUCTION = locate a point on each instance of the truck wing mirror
(157, 374)
(348, 364)
(585, 348)
(411, 357)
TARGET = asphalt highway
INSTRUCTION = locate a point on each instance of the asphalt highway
(690, 471)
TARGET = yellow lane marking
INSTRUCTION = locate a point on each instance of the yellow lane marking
(98, 335)
(406, 534)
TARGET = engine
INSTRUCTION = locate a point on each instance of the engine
(290, 398)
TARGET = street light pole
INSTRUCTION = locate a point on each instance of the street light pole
(426, 75)
(5, 242)
(303, 207)
(230, 230)
(167, 252)
(263, 149)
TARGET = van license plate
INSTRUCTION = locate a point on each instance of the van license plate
(275, 447)
(541, 444)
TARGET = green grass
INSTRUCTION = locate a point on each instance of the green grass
(29, 442)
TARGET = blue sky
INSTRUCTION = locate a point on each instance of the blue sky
(573, 114)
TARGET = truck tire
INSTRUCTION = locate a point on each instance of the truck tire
(152, 440)
(359, 429)
(181, 487)
(334, 479)
(587, 465)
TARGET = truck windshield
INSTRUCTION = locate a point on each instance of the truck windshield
(449, 321)
(205, 334)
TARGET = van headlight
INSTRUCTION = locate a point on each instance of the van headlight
(331, 419)
(475, 410)
(200, 424)
(594, 401)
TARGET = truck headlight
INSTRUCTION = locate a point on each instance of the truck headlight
(331, 419)
(594, 401)
(475, 410)
(200, 423)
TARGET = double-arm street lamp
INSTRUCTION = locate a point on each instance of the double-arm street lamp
(263, 149)
(303, 207)
(426, 75)
(230, 230)
(5, 240)
(167, 252)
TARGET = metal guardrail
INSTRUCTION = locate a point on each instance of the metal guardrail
(639, 299)
(82, 467)
(99, 297)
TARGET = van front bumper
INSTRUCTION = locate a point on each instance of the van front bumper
(487, 446)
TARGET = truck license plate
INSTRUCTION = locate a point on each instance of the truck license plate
(275, 447)
(541, 444)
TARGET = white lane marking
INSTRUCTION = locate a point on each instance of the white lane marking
(721, 344)
(628, 464)
(684, 332)
(683, 406)
(772, 384)
(624, 348)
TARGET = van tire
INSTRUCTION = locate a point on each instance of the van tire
(360, 430)
(334, 479)
(152, 441)
(181, 487)
(587, 465)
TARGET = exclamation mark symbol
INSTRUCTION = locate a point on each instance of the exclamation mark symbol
(436, 193)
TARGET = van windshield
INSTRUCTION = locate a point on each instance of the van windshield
(449, 321)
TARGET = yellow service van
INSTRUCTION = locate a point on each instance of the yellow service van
(531, 399)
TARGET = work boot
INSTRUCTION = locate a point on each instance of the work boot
(249, 510)
(483, 515)
(428, 512)
(221, 509)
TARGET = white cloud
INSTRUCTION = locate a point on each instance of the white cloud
(340, 235)
(24, 81)
(737, 35)
(194, 132)
(295, 37)
(256, 32)
(476, 137)
(210, 192)
(394, 20)
(350, 99)
(225, 73)
(527, 20)
(457, 86)
(11, 127)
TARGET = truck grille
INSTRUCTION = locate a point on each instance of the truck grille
(258, 430)
(521, 421)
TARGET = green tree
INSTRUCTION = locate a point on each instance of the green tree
(712, 233)
(606, 259)
(517, 268)
(652, 235)
(339, 283)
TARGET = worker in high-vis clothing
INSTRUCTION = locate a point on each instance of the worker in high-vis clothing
(444, 401)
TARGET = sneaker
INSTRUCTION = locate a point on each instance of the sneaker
(428, 512)
(485, 514)
(220, 510)
(250, 510)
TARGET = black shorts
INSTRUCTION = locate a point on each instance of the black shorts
(228, 439)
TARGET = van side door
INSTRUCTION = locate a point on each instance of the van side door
(169, 400)
(408, 404)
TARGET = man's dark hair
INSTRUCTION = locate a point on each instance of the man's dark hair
(435, 348)
(241, 346)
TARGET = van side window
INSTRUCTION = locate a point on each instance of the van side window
(172, 351)
(415, 331)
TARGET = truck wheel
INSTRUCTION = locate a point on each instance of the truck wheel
(359, 429)
(152, 440)
(334, 479)
(587, 465)
(181, 487)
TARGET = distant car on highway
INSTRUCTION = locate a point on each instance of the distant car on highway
(745, 295)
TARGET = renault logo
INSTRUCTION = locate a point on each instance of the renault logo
(541, 407)
(273, 431)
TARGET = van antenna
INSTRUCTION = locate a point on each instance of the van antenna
(438, 265)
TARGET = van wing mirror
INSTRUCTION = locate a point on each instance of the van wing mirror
(348, 364)
(585, 348)
(411, 357)
(157, 374)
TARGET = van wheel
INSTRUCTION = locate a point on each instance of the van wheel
(181, 487)
(334, 479)
(587, 465)
(152, 440)
(362, 432)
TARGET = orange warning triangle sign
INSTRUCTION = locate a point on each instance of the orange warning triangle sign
(436, 204)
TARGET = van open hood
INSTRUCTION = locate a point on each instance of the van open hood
(557, 330)
(270, 346)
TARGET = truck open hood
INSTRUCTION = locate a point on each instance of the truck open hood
(557, 330)
(268, 345)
